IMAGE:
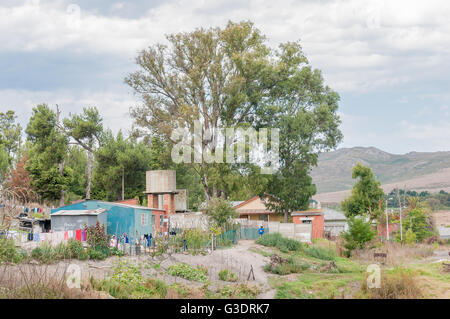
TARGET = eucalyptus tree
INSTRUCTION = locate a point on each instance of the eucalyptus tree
(86, 130)
(230, 77)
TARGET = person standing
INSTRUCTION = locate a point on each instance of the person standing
(261, 231)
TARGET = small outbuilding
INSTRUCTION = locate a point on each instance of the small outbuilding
(315, 217)
(119, 218)
(65, 220)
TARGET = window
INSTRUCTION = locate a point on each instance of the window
(144, 219)
(306, 221)
(263, 217)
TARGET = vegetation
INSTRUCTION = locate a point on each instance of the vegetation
(358, 234)
(188, 272)
(367, 194)
(397, 284)
(9, 253)
(220, 212)
(227, 275)
(280, 242)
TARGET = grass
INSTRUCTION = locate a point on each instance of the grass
(317, 286)
(227, 275)
(239, 291)
(282, 243)
(399, 283)
(188, 272)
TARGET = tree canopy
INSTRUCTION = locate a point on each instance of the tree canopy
(230, 77)
(367, 195)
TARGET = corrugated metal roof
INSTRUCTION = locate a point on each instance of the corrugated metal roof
(332, 214)
(235, 203)
(79, 212)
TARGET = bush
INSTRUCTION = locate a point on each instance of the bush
(280, 242)
(359, 233)
(76, 249)
(399, 285)
(286, 266)
(9, 252)
(188, 272)
(320, 253)
(227, 275)
(96, 236)
(96, 254)
(239, 291)
(411, 238)
(45, 254)
(220, 212)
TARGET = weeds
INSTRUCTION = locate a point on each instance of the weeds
(227, 275)
(276, 240)
(400, 284)
(188, 272)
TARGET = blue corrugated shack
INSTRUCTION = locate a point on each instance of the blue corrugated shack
(120, 218)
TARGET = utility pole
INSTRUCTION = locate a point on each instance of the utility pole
(387, 220)
(400, 205)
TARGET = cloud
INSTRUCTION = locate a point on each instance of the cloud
(78, 52)
(114, 107)
(432, 137)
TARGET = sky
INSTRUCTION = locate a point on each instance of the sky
(388, 60)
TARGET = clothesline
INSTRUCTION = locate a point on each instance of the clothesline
(52, 238)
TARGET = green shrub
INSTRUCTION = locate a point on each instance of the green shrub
(411, 237)
(320, 253)
(227, 275)
(280, 242)
(359, 233)
(76, 249)
(97, 236)
(291, 266)
(114, 251)
(96, 254)
(45, 254)
(9, 252)
(188, 272)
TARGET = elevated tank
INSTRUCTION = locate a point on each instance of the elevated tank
(161, 181)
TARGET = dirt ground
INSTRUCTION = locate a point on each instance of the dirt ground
(238, 259)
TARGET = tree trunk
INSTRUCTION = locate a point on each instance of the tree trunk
(89, 174)
(286, 217)
(62, 199)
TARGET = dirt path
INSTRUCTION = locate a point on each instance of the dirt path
(239, 259)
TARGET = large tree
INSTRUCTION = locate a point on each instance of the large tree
(218, 77)
(120, 160)
(10, 134)
(231, 78)
(48, 148)
(86, 129)
(4, 164)
(367, 195)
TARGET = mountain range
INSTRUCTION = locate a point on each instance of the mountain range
(413, 171)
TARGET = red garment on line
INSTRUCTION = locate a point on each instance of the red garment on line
(78, 234)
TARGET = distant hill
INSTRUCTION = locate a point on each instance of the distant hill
(418, 171)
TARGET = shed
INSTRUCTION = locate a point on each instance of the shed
(335, 221)
(120, 218)
(64, 220)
